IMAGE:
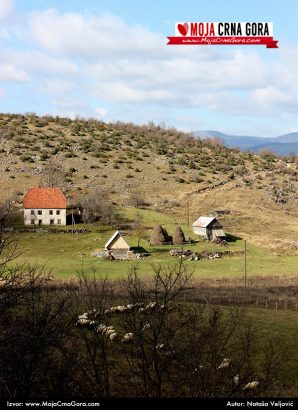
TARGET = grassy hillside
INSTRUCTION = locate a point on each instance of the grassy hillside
(169, 171)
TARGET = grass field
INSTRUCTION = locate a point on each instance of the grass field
(282, 328)
(66, 254)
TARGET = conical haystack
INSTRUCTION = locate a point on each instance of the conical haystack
(159, 236)
(178, 236)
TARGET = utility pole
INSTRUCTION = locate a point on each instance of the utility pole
(245, 265)
(188, 212)
(72, 222)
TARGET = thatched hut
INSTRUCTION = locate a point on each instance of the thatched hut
(178, 236)
(159, 236)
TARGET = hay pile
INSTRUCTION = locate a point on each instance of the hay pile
(178, 236)
(159, 236)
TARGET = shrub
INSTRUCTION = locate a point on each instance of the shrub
(44, 157)
(26, 158)
(180, 180)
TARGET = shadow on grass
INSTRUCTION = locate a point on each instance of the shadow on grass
(138, 249)
(232, 238)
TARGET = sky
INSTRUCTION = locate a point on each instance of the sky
(109, 59)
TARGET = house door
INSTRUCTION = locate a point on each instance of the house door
(209, 233)
(39, 221)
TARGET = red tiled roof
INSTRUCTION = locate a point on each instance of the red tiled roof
(44, 198)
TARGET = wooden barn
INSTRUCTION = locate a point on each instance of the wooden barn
(209, 227)
(117, 245)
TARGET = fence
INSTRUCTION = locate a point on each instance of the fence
(251, 302)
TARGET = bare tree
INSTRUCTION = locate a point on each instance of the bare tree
(137, 200)
(139, 230)
(97, 207)
(52, 175)
(176, 348)
(185, 349)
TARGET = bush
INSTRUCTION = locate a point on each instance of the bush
(44, 157)
(180, 180)
(27, 158)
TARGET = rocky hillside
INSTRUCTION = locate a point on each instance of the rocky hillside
(162, 168)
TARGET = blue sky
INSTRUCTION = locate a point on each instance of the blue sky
(109, 59)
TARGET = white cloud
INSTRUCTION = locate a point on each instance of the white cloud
(122, 63)
(102, 112)
(39, 62)
(4, 33)
(95, 59)
(269, 95)
(122, 92)
(9, 73)
(89, 36)
(55, 87)
(6, 8)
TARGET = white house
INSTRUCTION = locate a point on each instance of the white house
(209, 227)
(44, 206)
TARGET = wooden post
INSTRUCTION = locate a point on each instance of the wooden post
(73, 223)
(245, 265)
(188, 213)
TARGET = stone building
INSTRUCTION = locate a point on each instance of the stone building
(44, 206)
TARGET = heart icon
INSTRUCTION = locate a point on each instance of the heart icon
(183, 28)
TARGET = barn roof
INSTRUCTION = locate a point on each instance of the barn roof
(219, 233)
(44, 198)
(116, 235)
(203, 221)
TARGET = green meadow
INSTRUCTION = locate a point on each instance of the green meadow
(66, 254)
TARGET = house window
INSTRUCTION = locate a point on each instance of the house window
(58, 221)
(51, 212)
(39, 212)
(39, 221)
(51, 221)
(32, 212)
(57, 212)
(32, 221)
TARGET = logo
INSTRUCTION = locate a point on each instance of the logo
(183, 29)
(223, 33)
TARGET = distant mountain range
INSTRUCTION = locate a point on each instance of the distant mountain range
(283, 145)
